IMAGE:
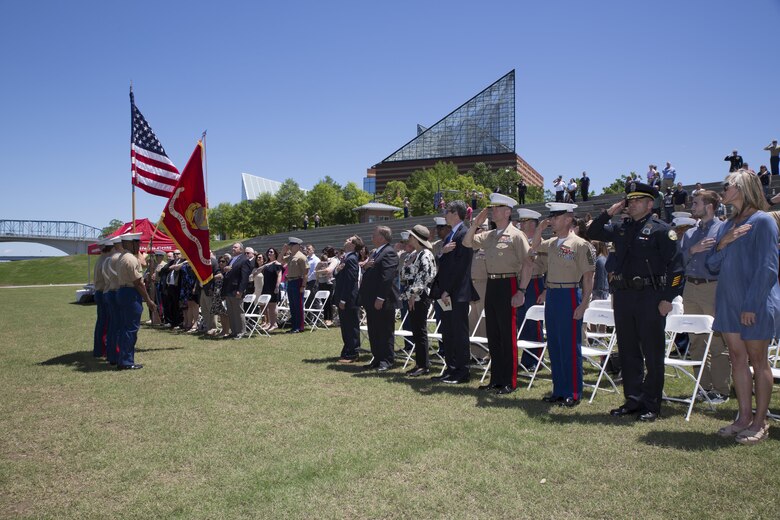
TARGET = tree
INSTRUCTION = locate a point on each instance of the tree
(537, 194)
(222, 220)
(111, 227)
(505, 179)
(619, 184)
(352, 197)
(265, 218)
(326, 199)
(394, 194)
(290, 204)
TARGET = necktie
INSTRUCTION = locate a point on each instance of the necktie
(449, 238)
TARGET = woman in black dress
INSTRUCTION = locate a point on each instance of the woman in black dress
(272, 278)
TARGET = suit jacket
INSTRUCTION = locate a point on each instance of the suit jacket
(454, 276)
(238, 277)
(347, 282)
(379, 281)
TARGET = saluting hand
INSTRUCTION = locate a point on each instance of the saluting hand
(616, 208)
(480, 218)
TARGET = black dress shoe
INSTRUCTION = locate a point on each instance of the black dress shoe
(648, 416)
(623, 410)
(456, 380)
(383, 368)
(553, 399)
(442, 377)
(570, 402)
(129, 367)
(489, 387)
(505, 390)
(370, 366)
(419, 371)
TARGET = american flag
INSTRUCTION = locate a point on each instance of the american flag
(152, 171)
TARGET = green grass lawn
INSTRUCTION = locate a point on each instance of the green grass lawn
(274, 428)
(45, 271)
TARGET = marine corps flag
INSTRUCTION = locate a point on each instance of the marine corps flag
(184, 217)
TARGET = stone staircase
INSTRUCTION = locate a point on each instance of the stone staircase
(336, 235)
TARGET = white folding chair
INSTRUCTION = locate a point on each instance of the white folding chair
(481, 344)
(313, 314)
(598, 346)
(254, 317)
(691, 368)
(601, 304)
(534, 313)
(283, 308)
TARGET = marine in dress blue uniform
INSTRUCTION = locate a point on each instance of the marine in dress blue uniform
(646, 274)
(571, 262)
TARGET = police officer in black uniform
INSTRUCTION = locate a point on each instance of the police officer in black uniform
(646, 274)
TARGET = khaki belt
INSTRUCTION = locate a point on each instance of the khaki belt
(499, 276)
(697, 281)
(561, 285)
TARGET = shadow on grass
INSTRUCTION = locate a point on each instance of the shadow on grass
(82, 361)
(158, 349)
(687, 441)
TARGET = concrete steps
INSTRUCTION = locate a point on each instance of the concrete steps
(336, 235)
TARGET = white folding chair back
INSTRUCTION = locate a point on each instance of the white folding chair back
(600, 304)
(313, 313)
(690, 324)
(534, 313)
(255, 317)
(599, 344)
(481, 343)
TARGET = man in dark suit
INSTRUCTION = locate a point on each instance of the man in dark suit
(233, 288)
(345, 296)
(453, 286)
(379, 297)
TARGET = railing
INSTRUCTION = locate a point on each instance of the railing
(48, 229)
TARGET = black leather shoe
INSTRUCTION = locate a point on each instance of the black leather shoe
(456, 380)
(553, 399)
(442, 377)
(419, 371)
(370, 366)
(570, 402)
(648, 416)
(505, 390)
(383, 368)
(623, 410)
(489, 387)
(129, 367)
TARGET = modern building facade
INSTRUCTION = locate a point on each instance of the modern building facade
(480, 130)
(253, 186)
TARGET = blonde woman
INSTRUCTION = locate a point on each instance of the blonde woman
(747, 300)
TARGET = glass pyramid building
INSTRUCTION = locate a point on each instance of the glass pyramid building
(483, 125)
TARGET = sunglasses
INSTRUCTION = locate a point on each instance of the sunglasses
(726, 186)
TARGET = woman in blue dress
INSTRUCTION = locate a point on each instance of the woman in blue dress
(747, 300)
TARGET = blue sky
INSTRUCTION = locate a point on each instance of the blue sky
(308, 89)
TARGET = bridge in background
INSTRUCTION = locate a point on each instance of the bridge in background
(68, 236)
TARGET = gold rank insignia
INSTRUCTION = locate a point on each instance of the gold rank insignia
(672, 235)
(677, 279)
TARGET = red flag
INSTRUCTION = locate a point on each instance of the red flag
(184, 216)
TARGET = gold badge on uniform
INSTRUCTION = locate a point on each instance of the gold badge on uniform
(672, 235)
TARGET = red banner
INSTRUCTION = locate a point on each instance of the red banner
(184, 217)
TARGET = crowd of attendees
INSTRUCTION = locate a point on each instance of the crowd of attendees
(416, 273)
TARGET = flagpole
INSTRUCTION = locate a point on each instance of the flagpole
(205, 169)
(132, 173)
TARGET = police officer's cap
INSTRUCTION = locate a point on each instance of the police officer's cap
(129, 237)
(440, 221)
(498, 199)
(559, 208)
(637, 190)
(528, 214)
(294, 241)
